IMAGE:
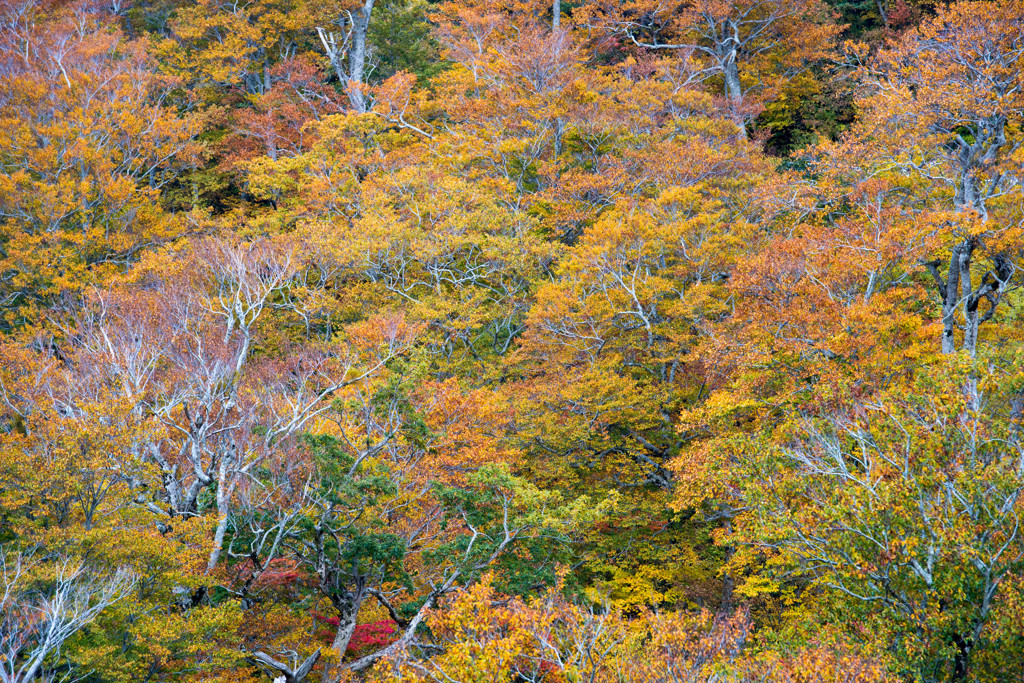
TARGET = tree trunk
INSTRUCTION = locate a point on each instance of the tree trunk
(970, 302)
(288, 675)
(357, 57)
(950, 290)
(728, 583)
(225, 489)
(734, 93)
(556, 14)
(348, 612)
(353, 74)
(962, 658)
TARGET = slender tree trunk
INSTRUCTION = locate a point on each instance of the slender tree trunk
(728, 583)
(348, 611)
(357, 57)
(734, 93)
(957, 291)
(949, 308)
(334, 54)
(950, 290)
(962, 658)
(224, 491)
(970, 303)
(556, 14)
(353, 74)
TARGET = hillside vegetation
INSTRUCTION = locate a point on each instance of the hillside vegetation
(511, 341)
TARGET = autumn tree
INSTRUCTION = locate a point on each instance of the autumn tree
(43, 605)
(752, 47)
(487, 635)
(347, 49)
(944, 108)
(904, 509)
(87, 146)
(70, 455)
(370, 526)
(216, 47)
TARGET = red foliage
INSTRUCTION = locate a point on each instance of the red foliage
(369, 636)
(278, 574)
(372, 636)
(900, 15)
(275, 124)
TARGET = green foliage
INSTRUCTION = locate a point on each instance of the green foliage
(402, 41)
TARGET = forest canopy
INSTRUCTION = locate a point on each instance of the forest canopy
(511, 340)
